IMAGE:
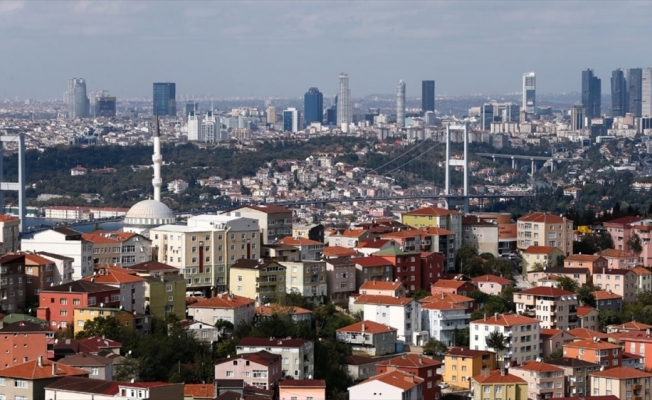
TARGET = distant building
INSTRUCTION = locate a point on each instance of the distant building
(634, 89)
(619, 100)
(485, 387)
(344, 108)
(591, 94)
(313, 106)
(78, 103)
(646, 92)
(529, 93)
(291, 120)
(194, 126)
(427, 96)
(400, 104)
(164, 99)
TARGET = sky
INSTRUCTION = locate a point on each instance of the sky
(270, 48)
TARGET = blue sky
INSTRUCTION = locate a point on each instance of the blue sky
(281, 48)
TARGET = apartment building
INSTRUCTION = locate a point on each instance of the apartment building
(40, 273)
(588, 261)
(131, 286)
(62, 266)
(275, 221)
(418, 365)
(9, 233)
(455, 286)
(298, 354)
(402, 313)
(73, 387)
(480, 234)
(309, 249)
(522, 336)
(492, 284)
(390, 385)
(165, 294)
(261, 280)
(65, 242)
(407, 267)
(206, 247)
(543, 229)
(372, 268)
(576, 375)
(302, 389)
(27, 381)
(623, 382)
(553, 340)
(643, 279)
(340, 278)
(587, 317)
(119, 248)
(498, 385)
(369, 337)
(307, 278)
(596, 351)
(225, 307)
(545, 256)
(383, 288)
(442, 241)
(619, 259)
(461, 364)
(623, 282)
(442, 319)
(544, 381)
(261, 369)
(554, 308)
(12, 283)
(437, 218)
(621, 231)
(24, 341)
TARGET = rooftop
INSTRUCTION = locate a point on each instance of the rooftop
(367, 327)
(435, 211)
(540, 217)
(622, 373)
(507, 320)
(497, 376)
(223, 301)
(34, 369)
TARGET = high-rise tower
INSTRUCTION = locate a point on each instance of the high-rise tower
(157, 159)
(400, 103)
(635, 86)
(78, 103)
(427, 96)
(646, 92)
(618, 93)
(344, 109)
(313, 106)
(591, 94)
(164, 99)
(529, 93)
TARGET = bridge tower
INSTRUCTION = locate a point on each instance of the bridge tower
(463, 163)
(14, 186)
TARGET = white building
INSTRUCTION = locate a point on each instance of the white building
(62, 264)
(522, 335)
(441, 318)
(298, 354)
(402, 313)
(194, 126)
(65, 242)
(291, 120)
(226, 307)
(177, 186)
(555, 308)
(388, 386)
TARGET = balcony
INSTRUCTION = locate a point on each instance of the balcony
(638, 387)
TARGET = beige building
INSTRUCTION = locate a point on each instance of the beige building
(340, 278)
(206, 247)
(543, 229)
(623, 282)
(543, 380)
(27, 381)
(480, 234)
(576, 373)
(9, 229)
(622, 382)
(307, 278)
(587, 318)
(275, 221)
(122, 249)
(261, 280)
(544, 256)
(554, 308)
(224, 307)
(499, 385)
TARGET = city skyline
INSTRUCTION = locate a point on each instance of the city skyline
(126, 46)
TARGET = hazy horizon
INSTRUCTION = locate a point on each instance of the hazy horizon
(260, 49)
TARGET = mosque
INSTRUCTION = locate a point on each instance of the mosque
(150, 213)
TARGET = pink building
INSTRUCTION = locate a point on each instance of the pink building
(262, 369)
(544, 381)
(302, 389)
(624, 229)
(491, 284)
(620, 230)
(619, 259)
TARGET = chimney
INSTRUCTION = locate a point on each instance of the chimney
(496, 316)
(485, 316)
(70, 289)
(502, 372)
(40, 361)
(363, 327)
(54, 369)
(404, 356)
(409, 378)
(647, 332)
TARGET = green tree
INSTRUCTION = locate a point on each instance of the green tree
(419, 294)
(108, 327)
(608, 317)
(635, 244)
(536, 267)
(496, 341)
(434, 347)
(461, 337)
(555, 355)
(585, 295)
(566, 283)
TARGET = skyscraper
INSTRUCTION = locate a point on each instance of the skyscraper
(591, 94)
(291, 120)
(577, 117)
(313, 106)
(400, 103)
(78, 103)
(635, 86)
(344, 109)
(646, 92)
(618, 93)
(427, 96)
(164, 99)
(194, 126)
(529, 93)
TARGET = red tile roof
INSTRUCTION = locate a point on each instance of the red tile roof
(31, 370)
(591, 344)
(448, 297)
(542, 217)
(540, 249)
(623, 221)
(622, 373)
(432, 211)
(367, 327)
(583, 310)
(632, 326)
(199, 390)
(306, 383)
(496, 376)
(587, 333)
(449, 283)
(547, 291)
(385, 300)
(373, 243)
(380, 285)
(548, 333)
(441, 305)
(493, 279)
(411, 360)
(330, 251)
(433, 230)
(299, 241)
(507, 320)
(461, 351)
(603, 295)
(538, 367)
(274, 308)
(223, 301)
(372, 261)
(399, 379)
(582, 257)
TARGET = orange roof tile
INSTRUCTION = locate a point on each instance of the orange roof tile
(199, 390)
(496, 376)
(613, 253)
(622, 373)
(353, 233)
(432, 211)
(32, 370)
(542, 217)
(441, 305)
(507, 320)
(403, 234)
(223, 301)
(491, 278)
(583, 310)
(449, 283)
(604, 295)
(548, 333)
(111, 276)
(399, 379)
(582, 257)
(641, 271)
(269, 310)
(299, 241)
(540, 249)
(538, 367)
(448, 297)
(410, 360)
(632, 326)
(380, 285)
(546, 291)
(367, 327)
(587, 333)
(8, 218)
(591, 344)
(437, 231)
(338, 251)
(385, 300)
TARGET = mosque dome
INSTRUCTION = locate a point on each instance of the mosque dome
(149, 214)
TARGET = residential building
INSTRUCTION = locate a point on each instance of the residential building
(407, 239)
(544, 381)
(461, 364)
(433, 266)
(588, 261)
(499, 385)
(383, 288)
(57, 304)
(607, 301)
(201, 330)
(362, 367)
(455, 286)
(373, 268)
(27, 381)
(543, 229)
(369, 337)
(226, 307)
(437, 218)
(128, 320)
(587, 317)
(491, 284)
(622, 282)
(260, 369)
(95, 389)
(545, 256)
(418, 365)
(9, 233)
(97, 367)
(307, 278)
(275, 221)
(402, 313)
(643, 279)
(206, 247)
(62, 266)
(388, 386)
(164, 99)
(131, 286)
(296, 314)
(619, 259)
(12, 283)
(442, 241)
(621, 231)
(631, 326)
(580, 275)
(595, 350)
(298, 354)
(119, 248)
(554, 308)
(302, 389)
(262, 280)
(40, 273)
(65, 242)
(638, 343)
(522, 335)
(407, 267)
(576, 375)
(553, 340)
(309, 249)
(480, 234)
(340, 278)
(349, 238)
(24, 341)
(623, 382)
(165, 294)
(442, 319)
(200, 391)
(465, 302)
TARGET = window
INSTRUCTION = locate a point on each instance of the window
(63, 301)
(3, 382)
(168, 288)
(20, 383)
(95, 371)
(229, 374)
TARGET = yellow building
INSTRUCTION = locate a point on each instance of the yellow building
(83, 315)
(258, 280)
(437, 218)
(460, 364)
(206, 248)
(546, 256)
(499, 385)
(543, 229)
